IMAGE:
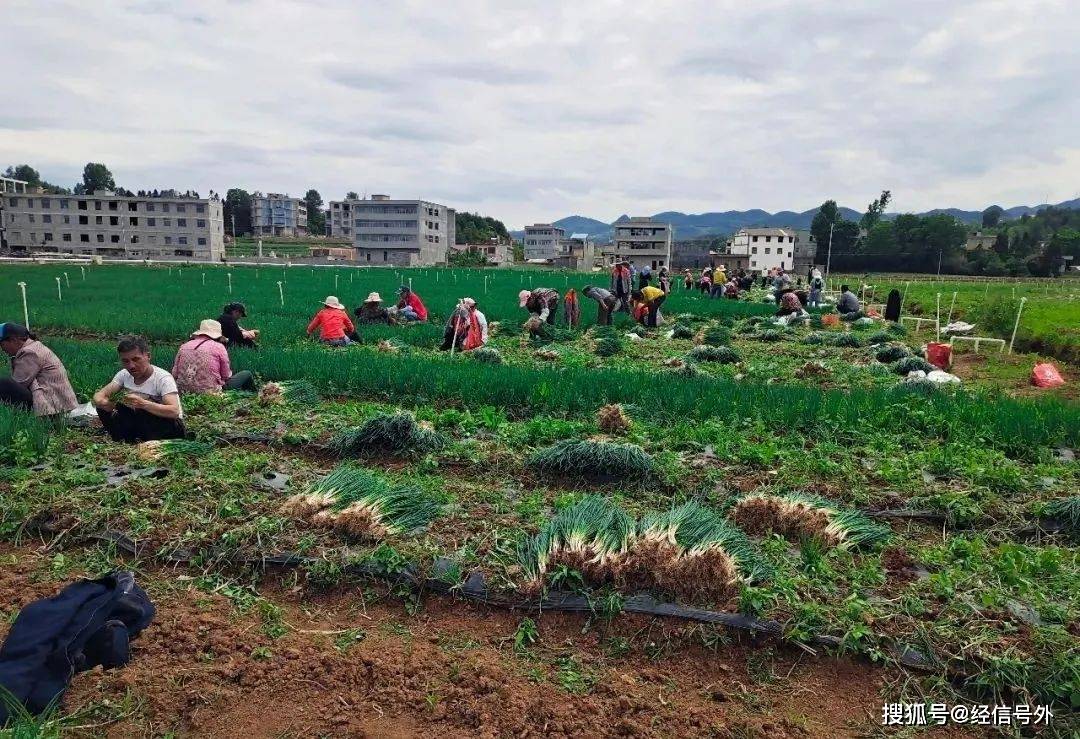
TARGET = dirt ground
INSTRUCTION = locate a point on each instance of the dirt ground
(344, 668)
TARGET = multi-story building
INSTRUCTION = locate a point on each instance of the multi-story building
(339, 221)
(403, 233)
(274, 214)
(544, 241)
(106, 224)
(577, 253)
(643, 241)
(763, 248)
(805, 252)
(7, 186)
(978, 241)
(496, 252)
(692, 254)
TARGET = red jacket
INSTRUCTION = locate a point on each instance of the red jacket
(413, 301)
(332, 323)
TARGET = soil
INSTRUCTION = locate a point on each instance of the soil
(205, 669)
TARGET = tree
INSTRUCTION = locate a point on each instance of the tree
(237, 205)
(875, 211)
(991, 217)
(1001, 244)
(97, 177)
(316, 219)
(473, 228)
(845, 233)
(32, 178)
(350, 195)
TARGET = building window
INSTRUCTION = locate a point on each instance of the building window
(181, 222)
(82, 205)
(768, 239)
(151, 222)
(753, 262)
(84, 220)
(101, 238)
(182, 240)
(167, 222)
(150, 207)
(46, 204)
(85, 238)
(200, 222)
(753, 250)
(64, 204)
(164, 207)
(202, 242)
(13, 202)
(99, 220)
(384, 256)
(114, 220)
(115, 238)
(48, 237)
(168, 240)
(67, 237)
(46, 218)
(133, 206)
(134, 238)
(200, 208)
(133, 220)
(151, 239)
(755, 238)
(180, 208)
(113, 205)
(436, 239)
(33, 218)
(768, 250)
(67, 219)
(368, 256)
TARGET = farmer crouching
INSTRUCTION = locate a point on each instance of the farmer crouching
(235, 334)
(38, 381)
(543, 302)
(372, 311)
(651, 298)
(149, 407)
(410, 307)
(335, 327)
(202, 364)
(467, 328)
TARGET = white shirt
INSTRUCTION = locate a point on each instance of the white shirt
(482, 320)
(159, 384)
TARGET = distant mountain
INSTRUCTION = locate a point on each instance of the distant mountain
(692, 226)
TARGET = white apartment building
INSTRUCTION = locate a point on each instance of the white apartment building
(339, 221)
(544, 241)
(643, 241)
(764, 248)
(106, 224)
(275, 214)
(402, 233)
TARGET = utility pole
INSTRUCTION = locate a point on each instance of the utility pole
(233, 214)
(828, 259)
(939, 251)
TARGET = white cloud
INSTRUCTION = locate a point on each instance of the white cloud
(530, 111)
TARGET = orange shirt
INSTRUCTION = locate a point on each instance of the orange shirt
(332, 323)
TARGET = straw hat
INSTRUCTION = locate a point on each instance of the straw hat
(373, 298)
(208, 328)
(523, 297)
(468, 302)
(332, 302)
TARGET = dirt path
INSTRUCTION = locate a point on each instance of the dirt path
(345, 669)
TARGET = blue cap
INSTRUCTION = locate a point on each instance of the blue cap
(9, 329)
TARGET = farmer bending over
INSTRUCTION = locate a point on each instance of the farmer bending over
(605, 303)
(38, 381)
(542, 302)
(150, 406)
(467, 328)
(202, 364)
(651, 298)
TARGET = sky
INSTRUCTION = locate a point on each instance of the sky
(530, 111)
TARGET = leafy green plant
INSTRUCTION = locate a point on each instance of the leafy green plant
(396, 433)
(769, 335)
(681, 331)
(716, 336)
(608, 346)
(844, 339)
(720, 354)
(595, 460)
(487, 354)
(24, 438)
(890, 354)
(911, 364)
(799, 517)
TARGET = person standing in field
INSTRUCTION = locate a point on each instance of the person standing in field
(652, 298)
(817, 284)
(620, 285)
(150, 404)
(202, 364)
(335, 327)
(39, 381)
(605, 303)
(410, 306)
(664, 281)
(542, 302)
(235, 334)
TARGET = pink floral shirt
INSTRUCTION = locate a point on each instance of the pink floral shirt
(201, 366)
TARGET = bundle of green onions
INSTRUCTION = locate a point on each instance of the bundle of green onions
(797, 516)
(596, 460)
(301, 392)
(386, 433)
(362, 504)
(152, 451)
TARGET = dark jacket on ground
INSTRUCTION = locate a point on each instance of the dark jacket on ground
(86, 624)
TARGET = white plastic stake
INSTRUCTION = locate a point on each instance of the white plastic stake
(204, 278)
(281, 293)
(904, 297)
(179, 271)
(485, 284)
(335, 282)
(59, 296)
(83, 270)
(1017, 324)
(410, 284)
(938, 321)
(951, 305)
(25, 312)
(67, 280)
(229, 275)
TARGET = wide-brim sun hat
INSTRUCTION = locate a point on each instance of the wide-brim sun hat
(373, 298)
(332, 302)
(468, 302)
(523, 297)
(209, 328)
